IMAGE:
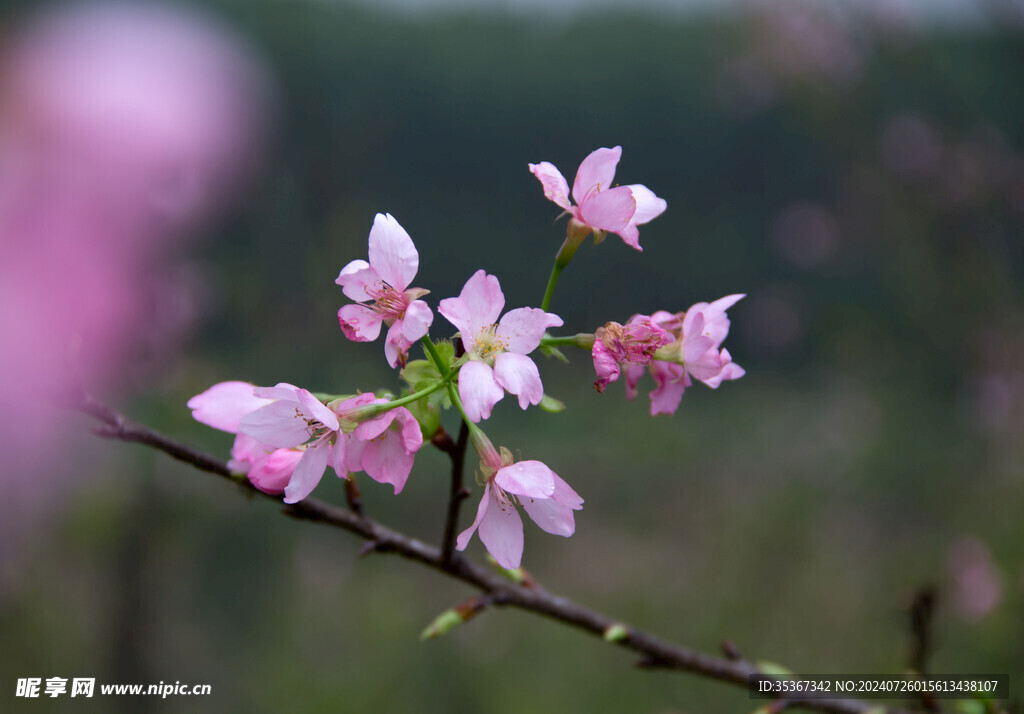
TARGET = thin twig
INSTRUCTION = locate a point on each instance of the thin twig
(500, 591)
(456, 495)
(353, 497)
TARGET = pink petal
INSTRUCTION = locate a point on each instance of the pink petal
(245, 452)
(477, 306)
(417, 320)
(648, 205)
(597, 170)
(387, 461)
(372, 428)
(353, 456)
(667, 321)
(716, 322)
(272, 474)
(518, 375)
(411, 434)
(609, 210)
(281, 390)
(359, 323)
(532, 479)
(708, 366)
(308, 472)
(630, 236)
(696, 345)
(554, 515)
(481, 510)
(605, 365)
(359, 281)
(392, 253)
(313, 408)
(339, 451)
(522, 329)
(730, 370)
(672, 382)
(633, 375)
(396, 345)
(276, 424)
(501, 532)
(478, 390)
(555, 186)
(223, 405)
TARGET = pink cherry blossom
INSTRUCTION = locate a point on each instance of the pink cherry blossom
(223, 405)
(693, 352)
(600, 206)
(268, 469)
(497, 352)
(633, 344)
(381, 290)
(384, 447)
(547, 499)
(286, 437)
(295, 417)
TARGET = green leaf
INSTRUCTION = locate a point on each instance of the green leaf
(419, 371)
(446, 351)
(427, 414)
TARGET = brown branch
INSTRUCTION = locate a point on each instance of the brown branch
(921, 611)
(456, 495)
(654, 651)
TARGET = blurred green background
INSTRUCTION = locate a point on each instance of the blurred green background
(857, 173)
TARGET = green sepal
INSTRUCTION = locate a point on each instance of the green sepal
(774, 670)
(550, 351)
(420, 370)
(442, 624)
(550, 404)
(615, 633)
(518, 576)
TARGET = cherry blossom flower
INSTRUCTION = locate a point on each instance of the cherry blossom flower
(497, 352)
(600, 206)
(385, 446)
(694, 352)
(222, 406)
(383, 285)
(632, 344)
(349, 436)
(268, 469)
(547, 499)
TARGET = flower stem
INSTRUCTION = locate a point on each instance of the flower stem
(414, 397)
(575, 235)
(428, 347)
(583, 340)
(556, 271)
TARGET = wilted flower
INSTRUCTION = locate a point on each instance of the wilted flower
(632, 344)
(694, 352)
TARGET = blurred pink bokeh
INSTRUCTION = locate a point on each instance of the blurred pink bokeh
(123, 129)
